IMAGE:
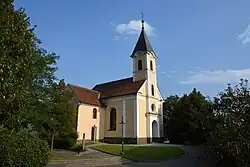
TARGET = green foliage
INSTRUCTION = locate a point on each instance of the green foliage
(26, 70)
(21, 149)
(65, 114)
(229, 137)
(184, 117)
(30, 100)
(29, 97)
(65, 140)
(78, 148)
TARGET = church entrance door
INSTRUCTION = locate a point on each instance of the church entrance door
(93, 133)
(154, 131)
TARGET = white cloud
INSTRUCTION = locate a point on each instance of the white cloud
(133, 27)
(166, 74)
(245, 36)
(171, 72)
(116, 38)
(217, 76)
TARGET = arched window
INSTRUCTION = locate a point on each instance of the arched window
(152, 90)
(151, 65)
(94, 113)
(112, 125)
(139, 65)
(153, 107)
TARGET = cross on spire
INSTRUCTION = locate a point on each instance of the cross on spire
(142, 20)
(143, 43)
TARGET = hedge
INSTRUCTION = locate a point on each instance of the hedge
(22, 149)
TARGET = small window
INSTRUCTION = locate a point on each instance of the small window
(152, 90)
(153, 107)
(151, 65)
(139, 65)
(112, 125)
(94, 113)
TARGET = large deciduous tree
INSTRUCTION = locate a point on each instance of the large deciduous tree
(26, 90)
(229, 139)
(27, 70)
(65, 115)
(185, 117)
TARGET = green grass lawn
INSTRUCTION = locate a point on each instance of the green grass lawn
(141, 153)
(87, 143)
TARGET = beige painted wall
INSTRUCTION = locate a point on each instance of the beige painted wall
(118, 106)
(142, 118)
(157, 104)
(130, 117)
(86, 121)
(139, 75)
(142, 74)
(143, 92)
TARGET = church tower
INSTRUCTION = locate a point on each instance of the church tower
(151, 102)
(144, 61)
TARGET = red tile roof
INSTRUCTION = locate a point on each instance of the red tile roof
(86, 96)
(106, 90)
(119, 87)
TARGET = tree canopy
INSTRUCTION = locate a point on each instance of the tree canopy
(27, 70)
(221, 124)
(229, 137)
(32, 101)
(184, 117)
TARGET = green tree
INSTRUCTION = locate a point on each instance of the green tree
(27, 71)
(229, 139)
(185, 117)
(65, 115)
(26, 89)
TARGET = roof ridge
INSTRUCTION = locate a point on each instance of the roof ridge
(84, 88)
(114, 81)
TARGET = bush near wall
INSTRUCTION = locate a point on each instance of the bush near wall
(22, 149)
(64, 140)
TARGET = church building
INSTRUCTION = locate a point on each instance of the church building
(130, 109)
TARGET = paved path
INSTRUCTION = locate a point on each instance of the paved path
(90, 158)
(195, 157)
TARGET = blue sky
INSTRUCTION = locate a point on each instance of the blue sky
(202, 44)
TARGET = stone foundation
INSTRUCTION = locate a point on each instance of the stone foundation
(80, 141)
(118, 140)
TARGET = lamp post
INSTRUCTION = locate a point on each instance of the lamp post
(52, 139)
(122, 122)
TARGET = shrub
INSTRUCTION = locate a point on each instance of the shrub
(229, 133)
(78, 148)
(229, 146)
(22, 149)
(65, 140)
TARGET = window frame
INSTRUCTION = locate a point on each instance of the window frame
(152, 90)
(139, 65)
(94, 113)
(151, 65)
(112, 120)
(153, 108)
